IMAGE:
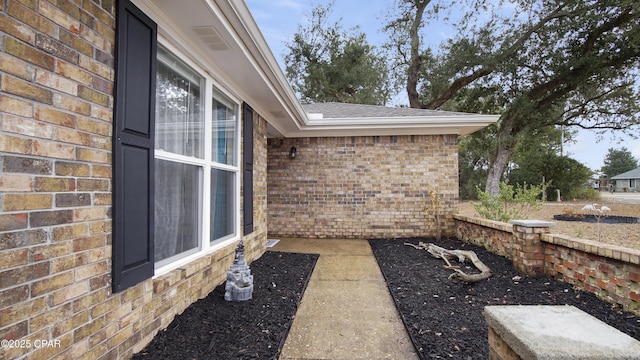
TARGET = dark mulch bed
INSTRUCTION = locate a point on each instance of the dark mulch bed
(213, 328)
(590, 218)
(444, 319)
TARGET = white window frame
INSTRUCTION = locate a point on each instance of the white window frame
(206, 164)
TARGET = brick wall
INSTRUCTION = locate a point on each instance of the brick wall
(493, 235)
(361, 187)
(256, 242)
(56, 104)
(611, 272)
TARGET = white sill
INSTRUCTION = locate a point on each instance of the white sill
(187, 259)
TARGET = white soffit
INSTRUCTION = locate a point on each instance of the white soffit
(223, 38)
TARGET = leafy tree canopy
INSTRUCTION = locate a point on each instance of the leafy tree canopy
(542, 63)
(618, 161)
(559, 172)
(474, 154)
(325, 63)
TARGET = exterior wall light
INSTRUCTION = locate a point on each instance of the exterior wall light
(293, 152)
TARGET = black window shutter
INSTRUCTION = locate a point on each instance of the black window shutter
(247, 169)
(133, 144)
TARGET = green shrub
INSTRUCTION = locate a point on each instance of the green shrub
(583, 193)
(513, 202)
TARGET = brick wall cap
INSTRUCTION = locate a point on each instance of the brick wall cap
(533, 223)
(498, 225)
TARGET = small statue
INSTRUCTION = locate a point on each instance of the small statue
(239, 286)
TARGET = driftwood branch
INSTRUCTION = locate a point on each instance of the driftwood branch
(461, 255)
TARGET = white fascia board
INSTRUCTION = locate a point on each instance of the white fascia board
(403, 120)
(419, 125)
(266, 63)
(304, 125)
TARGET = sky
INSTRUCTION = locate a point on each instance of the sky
(279, 19)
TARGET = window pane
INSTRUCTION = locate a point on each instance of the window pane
(222, 203)
(179, 115)
(176, 209)
(224, 129)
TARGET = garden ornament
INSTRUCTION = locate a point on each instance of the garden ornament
(239, 286)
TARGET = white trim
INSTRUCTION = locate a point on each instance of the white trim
(415, 125)
(220, 166)
(205, 165)
(264, 58)
(187, 259)
(171, 38)
(404, 120)
(256, 77)
(310, 126)
(183, 159)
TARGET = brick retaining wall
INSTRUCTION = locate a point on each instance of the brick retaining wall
(493, 235)
(611, 272)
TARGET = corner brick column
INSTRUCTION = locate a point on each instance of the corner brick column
(527, 249)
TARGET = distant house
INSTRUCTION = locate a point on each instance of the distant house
(141, 140)
(629, 181)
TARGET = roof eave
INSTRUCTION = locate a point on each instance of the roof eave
(269, 66)
(245, 67)
(253, 74)
(419, 125)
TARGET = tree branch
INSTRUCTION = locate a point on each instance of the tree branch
(457, 84)
(487, 69)
(415, 60)
(623, 18)
(462, 255)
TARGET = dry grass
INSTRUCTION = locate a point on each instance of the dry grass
(627, 235)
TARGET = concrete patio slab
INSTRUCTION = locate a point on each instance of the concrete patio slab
(346, 311)
(337, 267)
(347, 343)
(339, 298)
(325, 246)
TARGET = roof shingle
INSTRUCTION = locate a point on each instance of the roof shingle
(633, 174)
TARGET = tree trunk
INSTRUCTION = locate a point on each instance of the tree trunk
(412, 84)
(496, 169)
(505, 143)
(416, 59)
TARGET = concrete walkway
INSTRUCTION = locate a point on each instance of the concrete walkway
(346, 311)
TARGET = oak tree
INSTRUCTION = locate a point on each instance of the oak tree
(567, 63)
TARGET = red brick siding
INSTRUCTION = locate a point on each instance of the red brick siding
(56, 111)
(361, 187)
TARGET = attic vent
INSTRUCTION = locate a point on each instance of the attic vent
(210, 36)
